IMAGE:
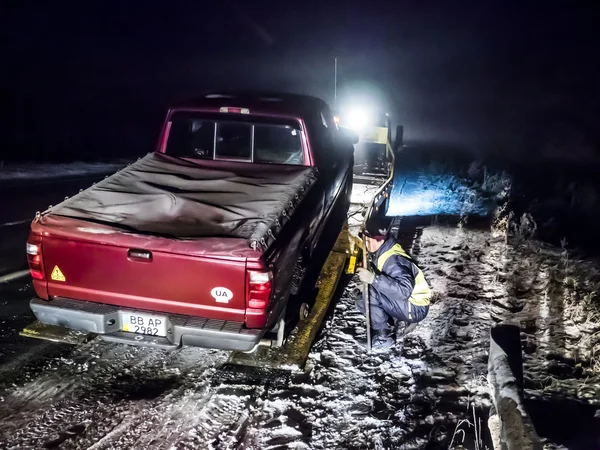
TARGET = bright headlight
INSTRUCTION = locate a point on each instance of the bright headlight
(357, 119)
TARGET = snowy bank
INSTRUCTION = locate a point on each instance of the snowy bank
(32, 171)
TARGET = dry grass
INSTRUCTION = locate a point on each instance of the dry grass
(500, 224)
(460, 434)
(497, 184)
(523, 228)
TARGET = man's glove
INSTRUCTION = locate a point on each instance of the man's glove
(365, 275)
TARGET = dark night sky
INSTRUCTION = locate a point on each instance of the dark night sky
(92, 76)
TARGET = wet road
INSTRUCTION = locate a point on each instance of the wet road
(22, 199)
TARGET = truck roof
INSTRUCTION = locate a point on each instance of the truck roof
(266, 102)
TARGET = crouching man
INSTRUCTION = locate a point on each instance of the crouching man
(398, 291)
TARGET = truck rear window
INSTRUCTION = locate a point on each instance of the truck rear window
(247, 140)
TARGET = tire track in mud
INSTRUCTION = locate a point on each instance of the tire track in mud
(151, 399)
(122, 383)
(195, 415)
(60, 378)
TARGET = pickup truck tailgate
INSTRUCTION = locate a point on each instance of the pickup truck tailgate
(145, 279)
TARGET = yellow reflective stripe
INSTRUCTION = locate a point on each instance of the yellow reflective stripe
(395, 250)
(421, 293)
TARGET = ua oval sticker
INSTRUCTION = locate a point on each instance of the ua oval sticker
(221, 294)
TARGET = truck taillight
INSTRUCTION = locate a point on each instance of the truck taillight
(34, 257)
(258, 289)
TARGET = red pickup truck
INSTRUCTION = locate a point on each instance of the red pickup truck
(200, 242)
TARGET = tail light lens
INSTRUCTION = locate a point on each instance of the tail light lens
(258, 289)
(34, 257)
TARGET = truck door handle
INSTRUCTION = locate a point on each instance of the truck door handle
(139, 255)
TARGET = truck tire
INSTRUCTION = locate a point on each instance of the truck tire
(300, 305)
(298, 274)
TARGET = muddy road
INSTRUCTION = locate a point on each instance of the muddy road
(22, 199)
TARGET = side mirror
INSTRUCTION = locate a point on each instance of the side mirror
(399, 139)
(348, 135)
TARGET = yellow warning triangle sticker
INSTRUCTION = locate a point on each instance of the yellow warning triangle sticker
(57, 275)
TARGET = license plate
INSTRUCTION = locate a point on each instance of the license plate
(135, 322)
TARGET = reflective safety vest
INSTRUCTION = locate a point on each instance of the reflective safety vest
(421, 293)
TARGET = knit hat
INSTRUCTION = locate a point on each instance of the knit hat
(377, 227)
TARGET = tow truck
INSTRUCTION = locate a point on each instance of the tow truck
(374, 152)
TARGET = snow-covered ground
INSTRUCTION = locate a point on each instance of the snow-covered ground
(31, 171)
(107, 396)
(421, 394)
(423, 194)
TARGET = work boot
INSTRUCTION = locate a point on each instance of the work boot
(381, 340)
(399, 327)
(402, 328)
(410, 328)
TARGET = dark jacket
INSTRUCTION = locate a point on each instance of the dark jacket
(396, 276)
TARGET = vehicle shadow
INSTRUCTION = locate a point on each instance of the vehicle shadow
(566, 422)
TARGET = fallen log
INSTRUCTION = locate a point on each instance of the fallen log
(505, 377)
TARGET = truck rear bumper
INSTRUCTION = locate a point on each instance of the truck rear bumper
(105, 320)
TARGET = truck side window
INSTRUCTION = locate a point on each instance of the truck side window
(333, 150)
(323, 142)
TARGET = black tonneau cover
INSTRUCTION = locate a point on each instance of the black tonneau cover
(169, 196)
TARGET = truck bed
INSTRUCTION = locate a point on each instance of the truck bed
(177, 198)
(168, 235)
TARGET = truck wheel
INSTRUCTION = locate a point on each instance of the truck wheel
(298, 275)
(298, 307)
(304, 311)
